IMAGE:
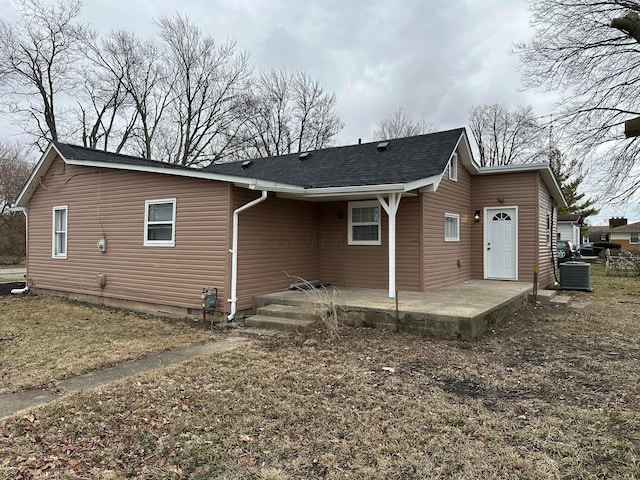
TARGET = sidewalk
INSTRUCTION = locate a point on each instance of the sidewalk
(11, 403)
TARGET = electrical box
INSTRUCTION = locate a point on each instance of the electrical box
(102, 245)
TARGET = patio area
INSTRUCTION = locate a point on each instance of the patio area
(464, 311)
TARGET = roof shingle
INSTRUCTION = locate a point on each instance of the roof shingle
(404, 160)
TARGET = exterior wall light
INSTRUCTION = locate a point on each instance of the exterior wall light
(476, 216)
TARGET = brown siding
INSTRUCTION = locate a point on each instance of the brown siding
(447, 263)
(508, 189)
(367, 266)
(113, 202)
(278, 241)
(546, 247)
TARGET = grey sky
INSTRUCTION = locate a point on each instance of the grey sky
(434, 58)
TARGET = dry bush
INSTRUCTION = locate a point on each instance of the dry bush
(324, 303)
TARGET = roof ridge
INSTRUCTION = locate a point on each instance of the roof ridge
(352, 145)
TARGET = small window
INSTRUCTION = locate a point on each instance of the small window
(59, 232)
(451, 227)
(634, 237)
(453, 167)
(159, 222)
(364, 223)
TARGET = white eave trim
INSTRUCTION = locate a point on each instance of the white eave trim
(292, 191)
(246, 182)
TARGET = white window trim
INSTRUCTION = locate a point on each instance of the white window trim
(371, 203)
(631, 238)
(159, 243)
(55, 209)
(453, 167)
(456, 217)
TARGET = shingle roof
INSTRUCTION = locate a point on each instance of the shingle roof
(404, 160)
(76, 152)
(570, 217)
(632, 228)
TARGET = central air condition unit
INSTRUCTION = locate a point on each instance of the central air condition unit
(575, 276)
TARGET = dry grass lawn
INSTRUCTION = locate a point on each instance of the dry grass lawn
(44, 339)
(551, 394)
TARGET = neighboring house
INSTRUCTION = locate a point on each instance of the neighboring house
(569, 228)
(627, 236)
(602, 233)
(417, 213)
(596, 234)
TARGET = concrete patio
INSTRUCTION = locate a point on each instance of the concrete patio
(463, 311)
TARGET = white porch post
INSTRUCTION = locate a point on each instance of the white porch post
(391, 208)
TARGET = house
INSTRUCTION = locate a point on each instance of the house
(569, 226)
(417, 213)
(602, 233)
(596, 233)
(627, 236)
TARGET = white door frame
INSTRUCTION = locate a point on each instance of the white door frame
(488, 214)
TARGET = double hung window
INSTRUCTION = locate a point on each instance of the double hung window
(364, 223)
(59, 232)
(160, 222)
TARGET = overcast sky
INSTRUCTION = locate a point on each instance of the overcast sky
(435, 59)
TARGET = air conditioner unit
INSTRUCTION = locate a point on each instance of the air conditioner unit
(575, 276)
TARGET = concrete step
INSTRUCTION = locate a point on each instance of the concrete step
(551, 297)
(290, 311)
(561, 300)
(279, 323)
(544, 297)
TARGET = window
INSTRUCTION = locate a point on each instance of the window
(59, 232)
(364, 223)
(453, 168)
(159, 222)
(634, 237)
(451, 227)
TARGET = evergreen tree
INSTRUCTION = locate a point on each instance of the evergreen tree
(569, 176)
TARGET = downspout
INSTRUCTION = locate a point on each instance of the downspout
(234, 252)
(391, 208)
(20, 291)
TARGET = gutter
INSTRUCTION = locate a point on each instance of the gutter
(234, 253)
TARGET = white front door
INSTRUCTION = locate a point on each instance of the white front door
(501, 243)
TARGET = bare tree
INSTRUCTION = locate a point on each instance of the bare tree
(14, 171)
(399, 125)
(590, 51)
(209, 82)
(504, 136)
(288, 112)
(38, 63)
(138, 88)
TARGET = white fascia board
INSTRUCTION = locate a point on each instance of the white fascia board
(352, 190)
(467, 159)
(433, 181)
(360, 190)
(246, 182)
(36, 174)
